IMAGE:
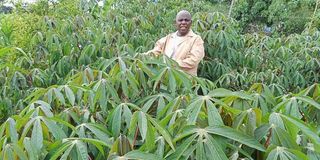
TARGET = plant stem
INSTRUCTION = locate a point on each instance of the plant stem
(135, 137)
(268, 139)
(230, 10)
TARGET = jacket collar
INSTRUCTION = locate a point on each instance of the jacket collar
(189, 34)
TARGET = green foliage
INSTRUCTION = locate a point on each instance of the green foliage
(283, 16)
(75, 86)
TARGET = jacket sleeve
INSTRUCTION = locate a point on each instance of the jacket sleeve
(159, 47)
(195, 55)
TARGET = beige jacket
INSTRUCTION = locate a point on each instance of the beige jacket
(188, 53)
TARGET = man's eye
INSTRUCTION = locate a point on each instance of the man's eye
(187, 20)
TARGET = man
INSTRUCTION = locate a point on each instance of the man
(183, 46)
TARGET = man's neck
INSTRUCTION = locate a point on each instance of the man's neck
(180, 35)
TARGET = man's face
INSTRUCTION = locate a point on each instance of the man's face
(183, 24)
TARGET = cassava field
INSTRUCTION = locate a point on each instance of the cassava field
(75, 86)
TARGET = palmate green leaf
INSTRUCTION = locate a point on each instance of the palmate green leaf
(7, 152)
(161, 105)
(221, 92)
(253, 120)
(194, 108)
(286, 154)
(189, 152)
(233, 134)
(59, 95)
(213, 150)
(69, 95)
(49, 123)
(124, 87)
(97, 143)
(312, 90)
(214, 117)
(276, 120)
(145, 68)
(11, 130)
(237, 122)
(56, 131)
(149, 103)
(200, 150)
(99, 131)
(292, 129)
(80, 132)
(121, 146)
(59, 120)
(282, 138)
(159, 78)
(162, 131)
(63, 147)
(133, 83)
(313, 155)
(168, 112)
(160, 146)
(172, 81)
(135, 154)
(309, 101)
(150, 137)
(261, 103)
(292, 108)
(133, 122)
(183, 78)
(26, 128)
(143, 124)
(238, 149)
(45, 107)
(171, 108)
(19, 151)
(66, 153)
(172, 120)
(68, 144)
(49, 95)
(206, 147)
(82, 150)
(37, 135)
(308, 131)
(116, 121)
(142, 80)
(100, 92)
(107, 62)
(182, 148)
(35, 95)
(261, 131)
(30, 150)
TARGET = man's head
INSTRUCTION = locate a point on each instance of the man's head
(183, 22)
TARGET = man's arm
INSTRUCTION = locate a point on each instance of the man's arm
(159, 47)
(195, 56)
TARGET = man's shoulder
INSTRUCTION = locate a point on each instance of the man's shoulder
(193, 34)
(168, 35)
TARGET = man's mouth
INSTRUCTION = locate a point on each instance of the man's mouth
(183, 27)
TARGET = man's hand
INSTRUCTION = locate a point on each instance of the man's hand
(151, 52)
